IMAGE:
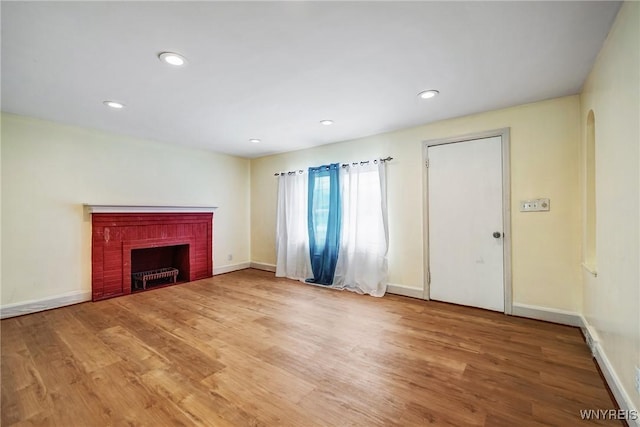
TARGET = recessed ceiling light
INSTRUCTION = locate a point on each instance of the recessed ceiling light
(326, 122)
(254, 140)
(114, 104)
(428, 94)
(172, 58)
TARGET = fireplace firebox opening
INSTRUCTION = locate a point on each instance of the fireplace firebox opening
(158, 266)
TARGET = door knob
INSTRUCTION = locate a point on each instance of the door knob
(497, 234)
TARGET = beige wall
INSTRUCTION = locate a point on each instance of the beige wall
(544, 163)
(612, 299)
(50, 170)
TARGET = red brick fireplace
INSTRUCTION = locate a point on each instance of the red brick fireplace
(183, 239)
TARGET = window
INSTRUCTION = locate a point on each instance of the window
(320, 208)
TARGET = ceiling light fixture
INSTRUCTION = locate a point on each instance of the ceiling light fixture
(114, 104)
(254, 140)
(428, 94)
(172, 58)
(326, 122)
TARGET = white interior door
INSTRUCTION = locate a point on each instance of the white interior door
(466, 255)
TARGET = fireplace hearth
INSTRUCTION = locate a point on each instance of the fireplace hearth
(126, 244)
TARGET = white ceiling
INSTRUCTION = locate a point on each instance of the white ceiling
(273, 70)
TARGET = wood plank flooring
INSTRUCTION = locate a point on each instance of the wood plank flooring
(247, 349)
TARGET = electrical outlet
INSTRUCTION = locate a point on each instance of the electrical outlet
(638, 379)
(535, 205)
(229, 257)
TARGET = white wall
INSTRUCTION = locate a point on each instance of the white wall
(612, 299)
(545, 139)
(49, 170)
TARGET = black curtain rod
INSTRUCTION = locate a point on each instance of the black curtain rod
(344, 165)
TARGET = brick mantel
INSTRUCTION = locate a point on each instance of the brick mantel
(116, 234)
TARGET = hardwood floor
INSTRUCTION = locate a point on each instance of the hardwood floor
(247, 349)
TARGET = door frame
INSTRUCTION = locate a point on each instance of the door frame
(504, 133)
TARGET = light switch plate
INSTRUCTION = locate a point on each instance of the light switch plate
(535, 205)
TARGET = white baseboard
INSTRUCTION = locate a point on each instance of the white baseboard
(263, 266)
(405, 291)
(623, 399)
(69, 298)
(547, 314)
(33, 306)
(229, 268)
(391, 288)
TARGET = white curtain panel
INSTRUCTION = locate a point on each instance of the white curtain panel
(362, 260)
(292, 235)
